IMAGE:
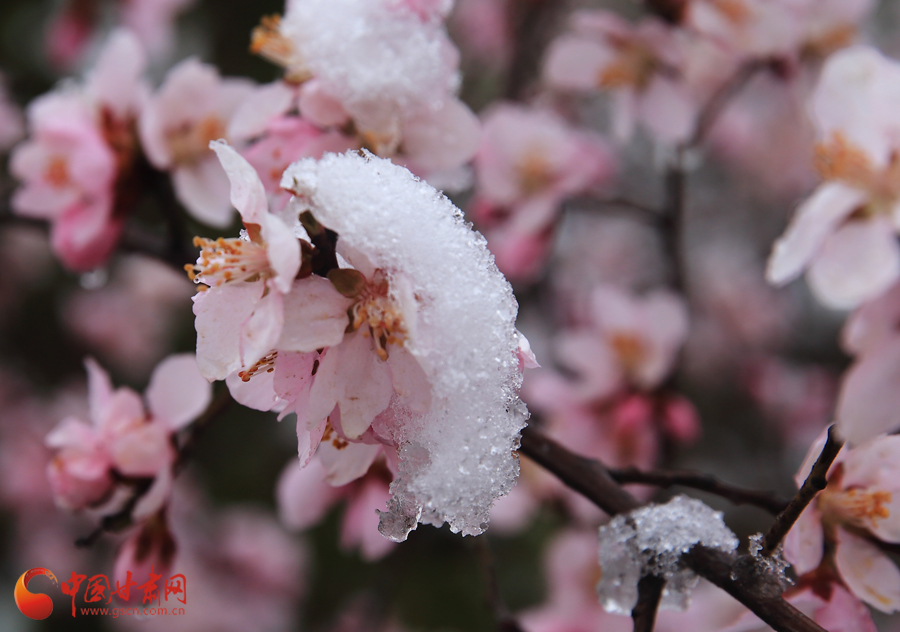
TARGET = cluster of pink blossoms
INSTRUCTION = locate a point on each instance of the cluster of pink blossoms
(351, 311)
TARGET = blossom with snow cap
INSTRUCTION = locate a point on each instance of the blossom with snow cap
(396, 335)
(845, 234)
(125, 438)
(387, 67)
(859, 506)
(76, 164)
(193, 107)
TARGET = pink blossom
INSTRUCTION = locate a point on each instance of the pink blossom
(305, 495)
(80, 145)
(153, 21)
(193, 107)
(482, 27)
(844, 234)
(857, 506)
(124, 437)
(638, 64)
(632, 341)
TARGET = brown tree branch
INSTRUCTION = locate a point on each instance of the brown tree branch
(814, 483)
(730, 572)
(532, 24)
(703, 482)
(650, 590)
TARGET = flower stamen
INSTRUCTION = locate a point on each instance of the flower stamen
(228, 261)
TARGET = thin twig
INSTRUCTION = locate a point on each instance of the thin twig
(703, 482)
(758, 592)
(650, 590)
(631, 207)
(532, 23)
(505, 621)
(814, 483)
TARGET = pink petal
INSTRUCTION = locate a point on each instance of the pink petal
(282, 251)
(815, 219)
(257, 393)
(116, 80)
(157, 496)
(858, 262)
(247, 193)
(316, 315)
(143, 451)
(345, 462)
(868, 573)
(367, 384)
(177, 393)
(220, 315)
(203, 188)
(100, 389)
(293, 373)
(409, 380)
(667, 109)
(844, 613)
(309, 436)
(869, 401)
(442, 139)
(804, 544)
(261, 331)
(319, 107)
(302, 495)
(360, 524)
(265, 104)
(575, 63)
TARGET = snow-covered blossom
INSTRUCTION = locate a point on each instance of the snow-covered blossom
(388, 67)
(859, 507)
(638, 64)
(397, 335)
(305, 494)
(844, 234)
(193, 107)
(125, 438)
(632, 341)
(528, 163)
(76, 164)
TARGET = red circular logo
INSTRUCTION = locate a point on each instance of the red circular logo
(34, 605)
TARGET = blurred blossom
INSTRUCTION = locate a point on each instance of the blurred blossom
(387, 67)
(638, 64)
(305, 495)
(798, 400)
(528, 163)
(632, 341)
(844, 234)
(192, 107)
(145, 296)
(125, 439)
(840, 529)
(78, 162)
(482, 28)
(77, 23)
(243, 571)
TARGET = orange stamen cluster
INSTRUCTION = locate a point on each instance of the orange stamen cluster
(839, 160)
(265, 365)
(57, 172)
(228, 260)
(629, 349)
(535, 173)
(855, 506)
(633, 67)
(268, 42)
(735, 11)
(377, 310)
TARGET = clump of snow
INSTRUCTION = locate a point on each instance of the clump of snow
(374, 55)
(651, 541)
(774, 566)
(456, 458)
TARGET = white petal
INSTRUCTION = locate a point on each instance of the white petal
(315, 315)
(858, 262)
(203, 188)
(345, 462)
(177, 393)
(869, 400)
(256, 111)
(815, 219)
(156, 496)
(282, 251)
(804, 544)
(868, 573)
(221, 313)
(257, 393)
(248, 195)
(367, 385)
(303, 495)
(100, 389)
(261, 331)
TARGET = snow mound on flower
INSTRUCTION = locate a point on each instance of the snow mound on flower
(456, 459)
(651, 541)
(368, 52)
